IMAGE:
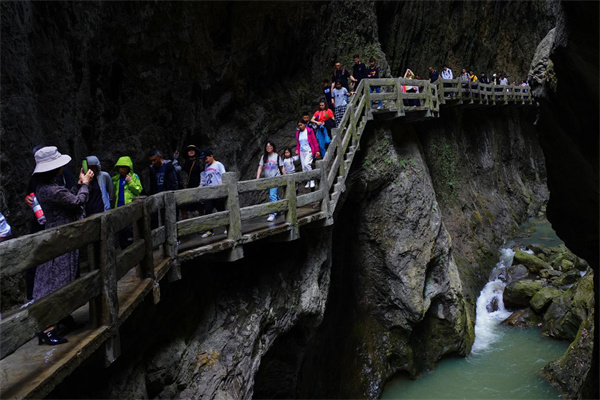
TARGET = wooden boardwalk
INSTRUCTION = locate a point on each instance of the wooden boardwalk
(114, 282)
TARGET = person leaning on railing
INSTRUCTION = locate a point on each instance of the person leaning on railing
(61, 206)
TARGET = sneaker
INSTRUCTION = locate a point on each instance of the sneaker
(271, 218)
(225, 233)
(312, 184)
(207, 234)
(307, 185)
(379, 107)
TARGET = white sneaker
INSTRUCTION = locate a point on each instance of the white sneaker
(312, 184)
(379, 107)
(207, 234)
(271, 218)
(307, 185)
(225, 233)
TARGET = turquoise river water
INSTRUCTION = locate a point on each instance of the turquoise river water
(505, 361)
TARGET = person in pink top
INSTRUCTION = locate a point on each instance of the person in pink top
(307, 148)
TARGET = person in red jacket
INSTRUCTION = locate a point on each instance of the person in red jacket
(307, 148)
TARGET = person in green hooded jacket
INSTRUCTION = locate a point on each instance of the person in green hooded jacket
(127, 184)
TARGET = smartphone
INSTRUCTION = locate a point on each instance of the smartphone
(84, 166)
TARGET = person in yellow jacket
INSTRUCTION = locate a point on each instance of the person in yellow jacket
(472, 76)
(127, 184)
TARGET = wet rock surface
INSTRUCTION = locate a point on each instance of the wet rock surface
(212, 330)
(402, 268)
(108, 78)
(562, 303)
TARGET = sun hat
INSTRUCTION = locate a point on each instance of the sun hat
(48, 159)
(192, 147)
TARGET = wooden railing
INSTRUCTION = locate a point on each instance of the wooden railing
(155, 252)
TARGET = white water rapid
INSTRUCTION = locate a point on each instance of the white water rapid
(490, 307)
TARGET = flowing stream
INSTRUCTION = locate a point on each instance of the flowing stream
(505, 361)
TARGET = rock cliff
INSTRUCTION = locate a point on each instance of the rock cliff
(568, 58)
(425, 208)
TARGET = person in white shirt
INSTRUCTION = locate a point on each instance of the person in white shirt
(273, 166)
(447, 74)
(212, 176)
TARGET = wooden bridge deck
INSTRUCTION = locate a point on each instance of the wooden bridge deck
(116, 281)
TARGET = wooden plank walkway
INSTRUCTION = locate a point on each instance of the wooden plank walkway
(116, 281)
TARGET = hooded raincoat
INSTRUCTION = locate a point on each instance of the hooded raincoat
(132, 188)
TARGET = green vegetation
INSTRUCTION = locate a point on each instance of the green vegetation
(445, 164)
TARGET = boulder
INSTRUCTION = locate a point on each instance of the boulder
(516, 273)
(570, 370)
(570, 309)
(531, 262)
(518, 294)
(567, 278)
(542, 299)
(525, 318)
(566, 265)
(492, 306)
(581, 264)
(562, 259)
(539, 249)
(549, 272)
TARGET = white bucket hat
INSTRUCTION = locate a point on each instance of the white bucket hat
(48, 159)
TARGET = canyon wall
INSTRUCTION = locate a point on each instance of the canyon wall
(426, 205)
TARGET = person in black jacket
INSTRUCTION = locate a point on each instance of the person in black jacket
(162, 173)
(359, 71)
(193, 167)
(340, 74)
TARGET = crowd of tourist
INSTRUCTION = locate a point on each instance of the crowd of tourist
(467, 77)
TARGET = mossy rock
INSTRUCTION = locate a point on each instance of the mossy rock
(566, 265)
(549, 273)
(531, 262)
(567, 278)
(518, 294)
(581, 264)
(524, 318)
(542, 299)
(570, 309)
(516, 272)
(539, 249)
(570, 370)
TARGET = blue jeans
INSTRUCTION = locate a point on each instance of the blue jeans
(273, 197)
(377, 90)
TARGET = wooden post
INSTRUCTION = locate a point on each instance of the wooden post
(291, 217)
(427, 91)
(147, 264)
(399, 103)
(112, 349)
(324, 187)
(109, 301)
(340, 153)
(95, 305)
(171, 247)
(352, 124)
(369, 104)
(234, 230)
(170, 225)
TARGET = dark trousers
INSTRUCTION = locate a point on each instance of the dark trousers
(209, 205)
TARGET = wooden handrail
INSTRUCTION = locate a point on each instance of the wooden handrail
(97, 234)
